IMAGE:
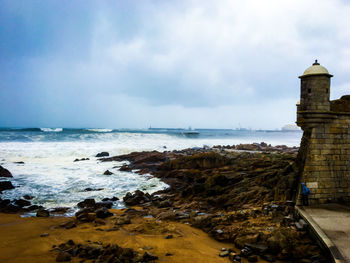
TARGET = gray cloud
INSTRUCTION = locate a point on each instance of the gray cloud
(128, 64)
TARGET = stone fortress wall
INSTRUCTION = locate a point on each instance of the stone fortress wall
(325, 148)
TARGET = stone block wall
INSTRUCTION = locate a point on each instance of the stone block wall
(326, 169)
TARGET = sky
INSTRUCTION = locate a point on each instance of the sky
(161, 63)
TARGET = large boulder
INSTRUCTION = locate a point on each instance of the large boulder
(4, 172)
(6, 185)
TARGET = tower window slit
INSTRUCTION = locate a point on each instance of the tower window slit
(309, 91)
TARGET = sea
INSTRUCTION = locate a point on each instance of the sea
(42, 159)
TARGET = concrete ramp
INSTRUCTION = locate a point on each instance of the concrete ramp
(331, 224)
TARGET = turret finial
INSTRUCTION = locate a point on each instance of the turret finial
(316, 63)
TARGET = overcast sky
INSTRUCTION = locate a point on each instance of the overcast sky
(199, 63)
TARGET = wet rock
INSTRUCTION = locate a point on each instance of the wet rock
(224, 254)
(107, 172)
(34, 207)
(125, 168)
(83, 214)
(63, 257)
(4, 172)
(22, 202)
(137, 198)
(102, 154)
(82, 159)
(113, 199)
(28, 197)
(6, 185)
(107, 204)
(87, 203)
(42, 213)
(59, 210)
(103, 213)
(92, 189)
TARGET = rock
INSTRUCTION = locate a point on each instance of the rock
(22, 202)
(224, 254)
(28, 197)
(102, 154)
(122, 220)
(44, 235)
(92, 189)
(257, 248)
(246, 252)
(137, 198)
(42, 213)
(91, 216)
(103, 213)
(4, 172)
(63, 257)
(125, 168)
(20, 162)
(59, 210)
(68, 225)
(87, 203)
(107, 172)
(6, 185)
(164, 204)
(83, 214)
(107, 204)
(252, 258)
(148, 257)
(244, 238)
(34, 207)
(169, 237)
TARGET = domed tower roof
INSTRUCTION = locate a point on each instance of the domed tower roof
(316, 69)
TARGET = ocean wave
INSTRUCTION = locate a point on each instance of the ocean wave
(51, 129)
(100, 130)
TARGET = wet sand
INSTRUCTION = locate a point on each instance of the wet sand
(20, 239)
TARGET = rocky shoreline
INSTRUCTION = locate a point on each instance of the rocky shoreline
(240, 195)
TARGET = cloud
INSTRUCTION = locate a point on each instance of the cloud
(189, 59)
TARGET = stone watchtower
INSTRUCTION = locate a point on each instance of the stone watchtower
(324, 153)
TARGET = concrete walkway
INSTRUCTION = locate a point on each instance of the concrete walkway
(334, 221)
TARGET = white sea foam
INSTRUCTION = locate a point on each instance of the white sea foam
(51, 129)
(100, 130)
